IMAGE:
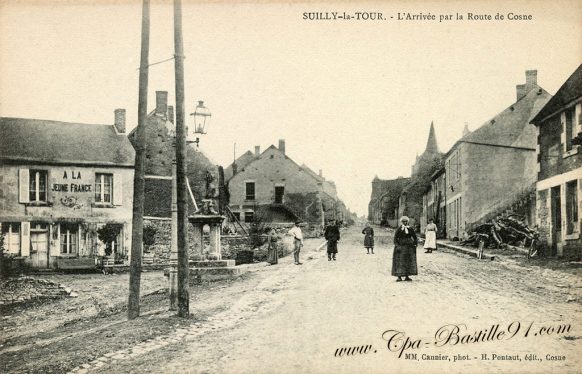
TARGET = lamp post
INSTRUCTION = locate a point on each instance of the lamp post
(201, 119)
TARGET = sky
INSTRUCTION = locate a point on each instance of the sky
(354, 98)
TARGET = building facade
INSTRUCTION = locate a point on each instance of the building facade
(66, 191)
(434, 204)
(273, 185)
(559, 177)
(487, 170)
(410, 202)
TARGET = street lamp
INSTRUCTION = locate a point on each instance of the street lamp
(201, 121)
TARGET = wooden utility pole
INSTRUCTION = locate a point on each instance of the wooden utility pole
(138, 178)
(181, 167)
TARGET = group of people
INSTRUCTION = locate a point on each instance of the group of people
(405, 242)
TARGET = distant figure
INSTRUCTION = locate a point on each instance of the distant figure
(404, 257)
(430, 237)
(272, 252)
(298, 241)
(332, 235)
(368, 238)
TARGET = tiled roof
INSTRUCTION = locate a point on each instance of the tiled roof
(570, 90)
(241, 162)
(42, 141)
(506, 127)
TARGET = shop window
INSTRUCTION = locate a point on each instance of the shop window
(69, 238)
(250, 190)
(11, 233)
(571, 207)
(103, 188)
(37, 186)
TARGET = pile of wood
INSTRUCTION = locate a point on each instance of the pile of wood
(501, 232)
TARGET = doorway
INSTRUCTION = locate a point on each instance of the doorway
(39, 245)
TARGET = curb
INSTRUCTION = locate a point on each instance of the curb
(466, 251)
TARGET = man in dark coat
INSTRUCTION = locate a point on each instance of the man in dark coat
(332, 235)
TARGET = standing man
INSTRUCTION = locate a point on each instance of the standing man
(332, 235)
(298, 241)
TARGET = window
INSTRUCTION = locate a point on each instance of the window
(38, 183)
(249, 216)
(249, 190)
(570, 133)
(69, 237)
(571, 207)
(236, 215)
(11, 233)
(279, 193)
(103, 187)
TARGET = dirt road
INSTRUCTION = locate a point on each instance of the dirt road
(458, 315)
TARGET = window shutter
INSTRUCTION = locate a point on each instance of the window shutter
(23, 185)
(578, 114)
(563, 129)
(25, 238)
(55, 248)
(117, 189)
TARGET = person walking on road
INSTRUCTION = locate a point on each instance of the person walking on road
(368, 238)
(272, 252)
(332, 235)
(297, 242)
(430, 237)
(404, 257)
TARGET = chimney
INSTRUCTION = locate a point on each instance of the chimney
(120, 120)
(161, 102)
(520, 91)
(171, 114)
(257, 150)
(234, 168)
(282, 145)
(531, 79)
(466, 130)
(320, 173)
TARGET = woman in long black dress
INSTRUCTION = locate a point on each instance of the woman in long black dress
(404, 257)
(368, 238)
(272, 251)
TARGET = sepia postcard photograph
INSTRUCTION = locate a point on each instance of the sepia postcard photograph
(264, 187)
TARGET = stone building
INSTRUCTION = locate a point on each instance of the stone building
(559, 169)
(273, 185)
(411, 198)
(383, 205)
(66, 191)
(434, 203)
(491, 168)
(203, 178)
(160, 151)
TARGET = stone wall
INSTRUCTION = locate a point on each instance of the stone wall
(231, 244)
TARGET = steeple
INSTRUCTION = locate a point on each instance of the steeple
(431, 144)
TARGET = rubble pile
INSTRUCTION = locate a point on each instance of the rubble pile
(23, 289)
(503, 231)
